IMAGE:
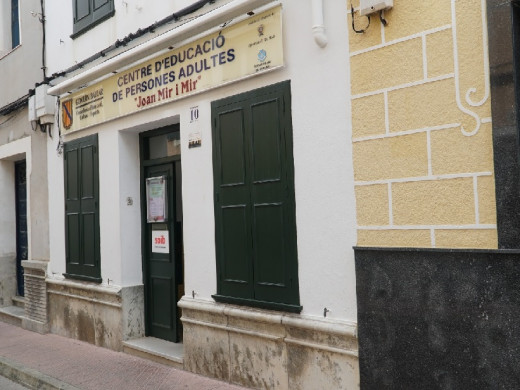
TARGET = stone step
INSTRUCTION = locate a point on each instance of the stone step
(19, 301)
(157, 350)
(12, 315)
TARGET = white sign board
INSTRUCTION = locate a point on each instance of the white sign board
(160, 241)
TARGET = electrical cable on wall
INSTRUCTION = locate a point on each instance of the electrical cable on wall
(369, 7)
(14, 106)
(132, 36)
(361, 31)
(8, 120)
(59, 147)
(44, 62)
(382, 18)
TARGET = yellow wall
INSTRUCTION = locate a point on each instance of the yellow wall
(421, 123)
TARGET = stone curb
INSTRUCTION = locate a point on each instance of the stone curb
(31, 378)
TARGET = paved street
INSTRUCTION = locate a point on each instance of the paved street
(6, 384)
(54, 362)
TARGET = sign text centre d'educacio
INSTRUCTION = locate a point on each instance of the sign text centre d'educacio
(244, 49)
(142, 80)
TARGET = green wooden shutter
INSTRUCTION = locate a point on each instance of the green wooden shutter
(15, 24)
(232, 204)
(255, 226)
(81, 209)
(88, 13)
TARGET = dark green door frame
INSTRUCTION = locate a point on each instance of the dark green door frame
(162, 273)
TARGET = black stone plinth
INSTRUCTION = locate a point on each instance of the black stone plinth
(434, 319)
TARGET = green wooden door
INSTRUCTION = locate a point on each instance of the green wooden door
(254, 197)
(159, 261)
(22, 246)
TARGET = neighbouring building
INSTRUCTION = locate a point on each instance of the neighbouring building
(436, 162)
(24, 237)
(201, 196)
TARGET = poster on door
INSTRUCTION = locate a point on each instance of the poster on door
(160, 241)
(156, 199)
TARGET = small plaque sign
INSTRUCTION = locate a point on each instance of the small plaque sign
(160, 241)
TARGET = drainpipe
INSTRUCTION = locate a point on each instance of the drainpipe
(44, 45)
(318, 28)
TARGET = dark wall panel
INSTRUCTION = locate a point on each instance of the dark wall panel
(504, 42)
(436, 319)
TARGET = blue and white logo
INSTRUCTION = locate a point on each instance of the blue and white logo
(262, 55)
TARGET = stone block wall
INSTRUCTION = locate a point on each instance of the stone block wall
(98, 315)
(7, 279)
(421, 123)
(268, 350)
(35, 296)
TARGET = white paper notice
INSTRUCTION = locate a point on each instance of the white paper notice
(160, 241)
(156, 199)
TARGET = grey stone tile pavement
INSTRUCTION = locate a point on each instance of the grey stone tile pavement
(50, 362)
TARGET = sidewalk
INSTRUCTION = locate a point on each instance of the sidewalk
(54, 362)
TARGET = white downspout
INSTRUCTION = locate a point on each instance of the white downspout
(318, 28)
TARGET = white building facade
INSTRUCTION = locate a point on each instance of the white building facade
(24, 238)
(200, 186)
